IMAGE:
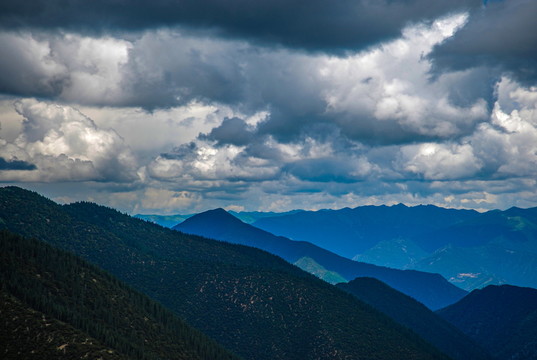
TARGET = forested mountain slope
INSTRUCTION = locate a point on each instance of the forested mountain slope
(250, 301)
(503, 319)
(430, 289)
(28, 334)
(415, 316)
(37, 277)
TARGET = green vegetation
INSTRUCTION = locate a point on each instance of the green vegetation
(65, 287)
(250, 301)
(28, 334)
(311, 266)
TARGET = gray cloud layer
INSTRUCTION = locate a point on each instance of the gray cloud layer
(312, 25)
(218, 104)
(502, 35)
(16, 165)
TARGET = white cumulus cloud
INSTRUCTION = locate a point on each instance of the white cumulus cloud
(65, 145)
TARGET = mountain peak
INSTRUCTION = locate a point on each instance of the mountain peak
(216, 211)
(217, 214)
(217, 218)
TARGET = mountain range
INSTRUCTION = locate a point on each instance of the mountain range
(349, 232)
(85, 281)
(251, 302)
(430, 289)
(470, 249)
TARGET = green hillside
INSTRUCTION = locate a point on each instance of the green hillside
(66, 288)
(311, 266)
(253, 303)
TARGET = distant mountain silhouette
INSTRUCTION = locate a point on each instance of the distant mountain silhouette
(430, 289)
(470, 249)
(252, 216)
(417, 317)
(349, 232)
(497, 247)
(503, 319)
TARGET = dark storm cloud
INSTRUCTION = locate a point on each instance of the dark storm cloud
(186, 68)
(232, 131)
(312, 25)
(15, 165)
(501, 35)
(26, 70)
(322, 170)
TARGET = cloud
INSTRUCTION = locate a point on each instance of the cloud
(502, 35)
(63, 66)
(151, 132)
(232, 131)
(203, 165)
(166, 200)
(439, 161)
(187, 68)
(64, 145)
(175, 118)
(502, 148)
(314, 25)
(372, 100)
(508, 145)
(338, 169)
(363, 95)
(28, 68)
(15, 165)
(339, 120)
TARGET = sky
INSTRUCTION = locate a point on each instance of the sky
(179, 106)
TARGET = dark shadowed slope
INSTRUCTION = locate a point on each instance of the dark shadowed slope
(29, 334)
(250, 301)
(90, 301)
(503, 319)
(430, 289)
(414, 315)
